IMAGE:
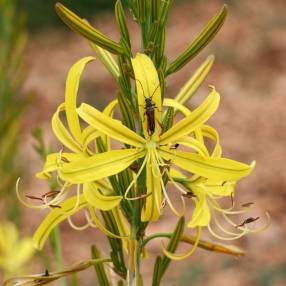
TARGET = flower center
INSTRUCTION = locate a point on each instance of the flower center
(150, 145)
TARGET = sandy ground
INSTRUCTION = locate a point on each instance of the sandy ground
(250, 74)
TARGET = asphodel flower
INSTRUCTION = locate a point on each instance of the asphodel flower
(14, 252)
(89, 195)
(156, 150)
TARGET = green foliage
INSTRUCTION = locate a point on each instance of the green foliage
(12, 102)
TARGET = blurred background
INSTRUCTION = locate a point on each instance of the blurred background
(36, 51)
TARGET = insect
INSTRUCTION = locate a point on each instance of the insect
(149, 107)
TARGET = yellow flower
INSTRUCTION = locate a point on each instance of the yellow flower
(14, 252)
(155, 149)
(92, 194)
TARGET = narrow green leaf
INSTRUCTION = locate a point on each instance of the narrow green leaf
(99, 268)
(143, 10)
(172, 246)
(192, 85)
(121, 21)
(155, 6)
(156, 272)
(82, 27)
(200, 42)
(126, 110)
(106, 58)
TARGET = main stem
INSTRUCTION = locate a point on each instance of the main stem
(133, 274)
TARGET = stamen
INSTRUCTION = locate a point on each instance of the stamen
(83, 227)
(228, 211)
(246, 205)
(135, 180)
(226, 238)
(222, 228)
(23, 201)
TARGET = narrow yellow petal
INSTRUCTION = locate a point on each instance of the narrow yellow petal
(201, 215)
(192, 121)
(56, 216)
(95, 198)
(111, 127)
(62, 133)
(213, 168)
(194, 144)
(148, 87)
(151, 210)
(54, 161)
(212, 134)
(72, 85)
(176, 105)
(99, 166)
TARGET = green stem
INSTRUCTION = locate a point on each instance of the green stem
(57, 248)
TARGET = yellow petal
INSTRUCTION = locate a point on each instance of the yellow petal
(194, 144)
(99, 166)
(95, 198)
(151, 210)
(122, 227)
(201, 215)
(72, 85)
(54, 161)
(89, 134)
(62, 133)
(212, 134)
(213, 168)
(177, 106)
(192, 121)
(111, 127)
(56, 216)
(147, 86)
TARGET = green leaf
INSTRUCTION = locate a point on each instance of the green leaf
(126, 110)
(200, 42)
(121, 21)
(156, 272)
(82, 27)
(106, 58)
(99, 268)
(192, 85)
(173, 244)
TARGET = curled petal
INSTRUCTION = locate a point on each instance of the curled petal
(72, 85)
(95, 198)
